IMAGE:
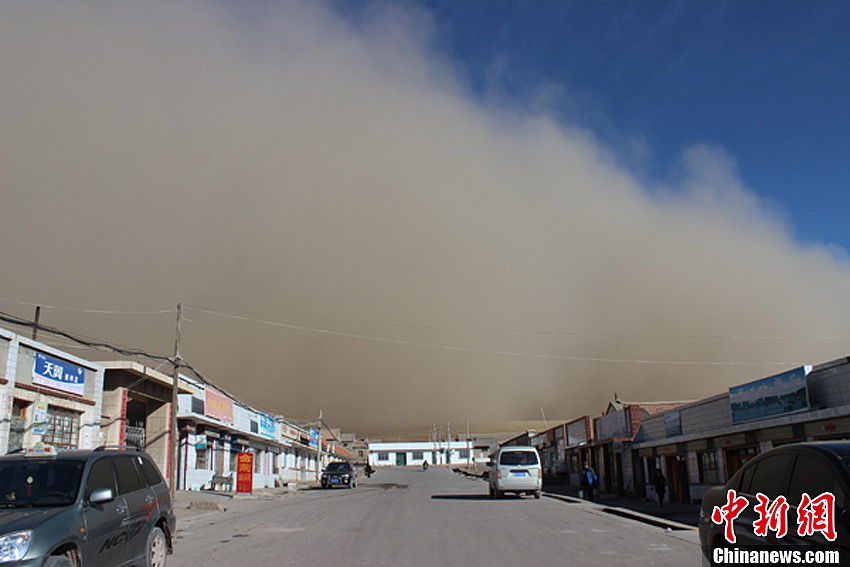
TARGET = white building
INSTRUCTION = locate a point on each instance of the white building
(414, 453)
(214, 430)
(47, 395)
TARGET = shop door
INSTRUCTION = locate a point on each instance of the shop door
(401, 459)
(737, 458)
(678, 487)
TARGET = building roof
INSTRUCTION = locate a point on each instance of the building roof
(143, 371)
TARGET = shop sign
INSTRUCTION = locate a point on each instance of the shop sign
(58, 374)
(673, 424)
(314, 439)
(200, 441)
(245, 472)
(217, 405)
(39, 419)
(266, 426)
(776, 395)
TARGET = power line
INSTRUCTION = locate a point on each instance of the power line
(94, 311)
(478, 350)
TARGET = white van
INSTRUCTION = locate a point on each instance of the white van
(516, 469)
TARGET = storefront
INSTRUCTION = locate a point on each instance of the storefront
(50, 396)
(716, 436)
(137, 409)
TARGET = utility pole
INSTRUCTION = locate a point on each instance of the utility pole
(468, 448)
(434, 457)
(319, 454)
(448, 443)
(173, 448)
(37, 320)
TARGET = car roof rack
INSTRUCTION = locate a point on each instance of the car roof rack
(117, 448)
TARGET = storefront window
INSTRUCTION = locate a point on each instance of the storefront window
(62, 428)
(201, 459)
(708, 473)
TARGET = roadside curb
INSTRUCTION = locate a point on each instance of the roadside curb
(614, 510)
(625, 513)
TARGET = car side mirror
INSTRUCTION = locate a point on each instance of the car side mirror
(101, 496)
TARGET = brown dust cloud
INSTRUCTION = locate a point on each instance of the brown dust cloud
(352, 230)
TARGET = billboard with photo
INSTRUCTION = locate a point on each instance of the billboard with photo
(776, 395)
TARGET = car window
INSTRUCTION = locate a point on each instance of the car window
(518, 458)
(150, 472)
(338, 467)
(813, 476)
(101, 475)
(746, 476)
(128, 476)
(52, 482)
(771, 476)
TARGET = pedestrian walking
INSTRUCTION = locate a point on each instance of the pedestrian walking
(588, 482)
(660, 486)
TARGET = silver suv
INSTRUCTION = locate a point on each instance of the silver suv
(106, 507)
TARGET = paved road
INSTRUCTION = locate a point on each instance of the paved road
(404, 517)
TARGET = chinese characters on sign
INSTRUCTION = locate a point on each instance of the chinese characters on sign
(814, 515)
(58, 374)
(217, 405)
(245, 472)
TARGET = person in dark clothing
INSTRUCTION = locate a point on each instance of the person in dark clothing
(588, 481)
(660, 484)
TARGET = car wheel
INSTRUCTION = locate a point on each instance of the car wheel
(156, 549)
(537, 494)
(58, 561)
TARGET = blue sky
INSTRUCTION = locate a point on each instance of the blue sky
(769, 81)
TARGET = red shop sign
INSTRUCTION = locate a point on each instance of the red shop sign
(245, 472)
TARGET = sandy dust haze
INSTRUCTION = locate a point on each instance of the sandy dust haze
(397, 249)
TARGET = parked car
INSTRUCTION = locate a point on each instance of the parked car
(339, 474)
(515, 469)
(789, 471)
(95, 508)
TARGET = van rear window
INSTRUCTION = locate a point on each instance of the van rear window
(518, 458)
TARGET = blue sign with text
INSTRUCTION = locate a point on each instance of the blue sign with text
(58, 374)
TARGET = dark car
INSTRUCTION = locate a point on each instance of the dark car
(788, 471)
(339, 474)
(101, 507)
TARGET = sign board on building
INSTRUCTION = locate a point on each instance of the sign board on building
(58, 374)
(217, 405)
(314, 438)
(612, 425)
(576, 433)
(776, 395)
(266, 426)
(673, 423)
(245, 472)
(39, 419)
